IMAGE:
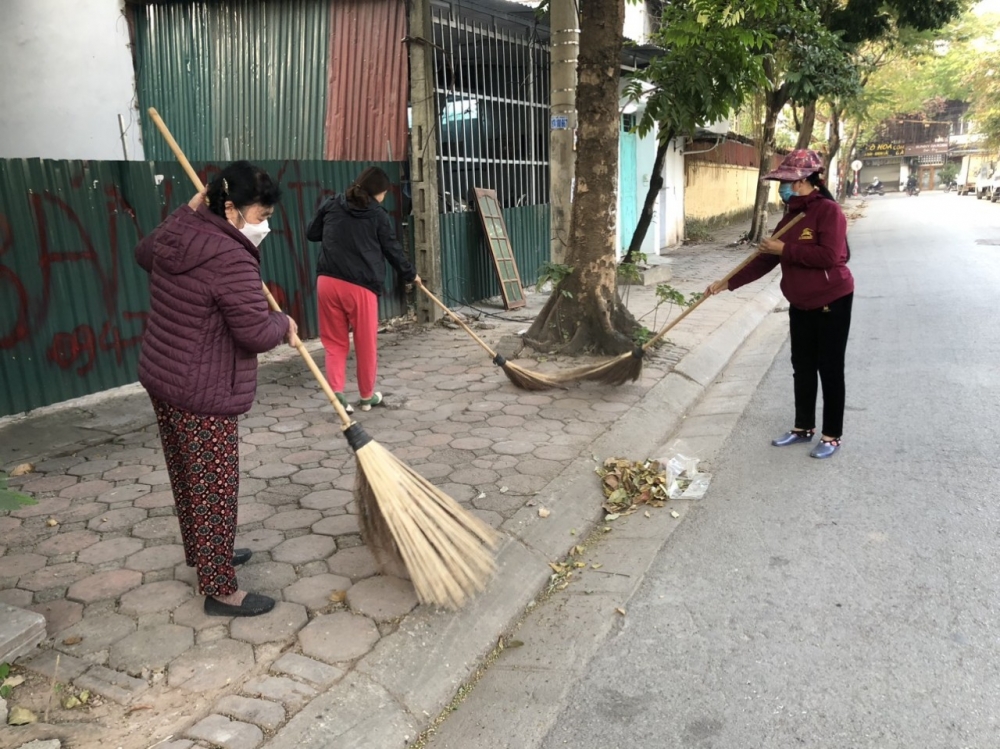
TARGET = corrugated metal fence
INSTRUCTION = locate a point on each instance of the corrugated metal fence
(73, 301)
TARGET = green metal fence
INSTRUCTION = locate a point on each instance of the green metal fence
(466, 263)
(73, 301)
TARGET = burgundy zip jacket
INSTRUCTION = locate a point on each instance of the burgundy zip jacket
(814, 268)
(208, 317)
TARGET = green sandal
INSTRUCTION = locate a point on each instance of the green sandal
(367, 403)
(343, 401)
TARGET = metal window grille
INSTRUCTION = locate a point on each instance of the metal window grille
(492, 90)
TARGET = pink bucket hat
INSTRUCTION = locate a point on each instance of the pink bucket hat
(797, 165)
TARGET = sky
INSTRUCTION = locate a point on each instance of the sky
(987, 6)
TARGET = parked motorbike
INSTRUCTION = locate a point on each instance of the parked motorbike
(875, 189)
(912, 190)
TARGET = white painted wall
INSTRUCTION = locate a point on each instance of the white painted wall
(637, 25)
(671, 210)
(67, 75)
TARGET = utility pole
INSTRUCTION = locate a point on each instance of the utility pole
(565, 48)
(423, 159)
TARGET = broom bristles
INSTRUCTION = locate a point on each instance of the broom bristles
(406, 518)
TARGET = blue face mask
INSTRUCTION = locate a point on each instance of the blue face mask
(785, 191)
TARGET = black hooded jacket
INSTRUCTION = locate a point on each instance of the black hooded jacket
(356, 243)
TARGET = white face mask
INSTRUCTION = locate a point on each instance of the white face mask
(254, 232)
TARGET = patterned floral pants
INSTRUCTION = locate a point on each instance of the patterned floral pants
(203, 461)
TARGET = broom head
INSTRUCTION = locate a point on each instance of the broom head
(404, 517)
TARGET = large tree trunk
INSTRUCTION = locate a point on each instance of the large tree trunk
(807, 126)
(833, 142)
(655, 185)
(833, 146)
(774, 101)
(584, 312)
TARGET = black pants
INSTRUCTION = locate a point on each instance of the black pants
(819, 341)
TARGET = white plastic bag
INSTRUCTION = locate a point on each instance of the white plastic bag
(683, 479)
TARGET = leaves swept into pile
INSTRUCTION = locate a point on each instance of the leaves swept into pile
(628, 484)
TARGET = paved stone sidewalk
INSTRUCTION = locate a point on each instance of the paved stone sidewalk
(100, 555)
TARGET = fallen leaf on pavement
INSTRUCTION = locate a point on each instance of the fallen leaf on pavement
(74, 640)
(544, 512)
(22, 469)
(596, 566)
(646, 513)
(504, 489)
(12, 681)
(21, 716)
(674, 514)
(620, 611)
(338, 596)
(52, 522)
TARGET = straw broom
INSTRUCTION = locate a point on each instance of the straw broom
(614, 371)
(522, 378)
(401, 513)
(628, 367)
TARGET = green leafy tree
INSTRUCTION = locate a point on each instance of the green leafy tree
(710, 63)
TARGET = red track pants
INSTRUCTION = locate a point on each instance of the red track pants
(345, 307)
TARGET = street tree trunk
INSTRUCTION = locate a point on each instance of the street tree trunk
(584, 313)
(775, 101)
(833, 142)
(655, 185)
(807, 125)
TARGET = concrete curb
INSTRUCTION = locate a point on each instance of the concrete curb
(413, 674)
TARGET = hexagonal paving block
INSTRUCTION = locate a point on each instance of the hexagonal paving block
(46, 506)
(79, 512)
(262, 713)
(253, 512)
(357, 563)
(338, 637)
(67, 543)
(314, 592)
(152, 647)
(271, 576)
(304, 549)
(92, 467)
(261, 539)
(192, 614)
(211, 665)
(338, 525)
(382, 598)
(16, 565)
(107, 551)
(155, 597)
(281, 689)
(292, 519)
(94, 633)
(87, 489)
(59, 614)
(273, 471)
(155, 500)
(330, 499)
(16, 597)
(229, 734)
(46, 484)
(55, 576)
(116, 520)
(278, 625)
(104, 585)
(157, 528)
(313, 476)
(156, 558)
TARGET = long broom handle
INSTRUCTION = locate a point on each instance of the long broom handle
(272, 302)
(749, 259)
(457, 319)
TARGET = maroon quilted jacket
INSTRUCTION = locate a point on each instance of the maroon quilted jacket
(208, 317)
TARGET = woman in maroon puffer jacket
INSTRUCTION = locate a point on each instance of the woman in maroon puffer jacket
(208, 320)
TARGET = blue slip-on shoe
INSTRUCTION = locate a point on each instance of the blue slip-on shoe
(825, 449)
(793, 438)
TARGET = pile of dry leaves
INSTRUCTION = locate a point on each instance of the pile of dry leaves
(628, 484)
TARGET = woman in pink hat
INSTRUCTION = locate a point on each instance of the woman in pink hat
(820, 291)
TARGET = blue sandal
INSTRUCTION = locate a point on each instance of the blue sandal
(825, 449)
(794, 437)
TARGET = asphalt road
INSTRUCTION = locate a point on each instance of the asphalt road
(844, 603)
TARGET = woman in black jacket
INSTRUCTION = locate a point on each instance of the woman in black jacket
(358, 238)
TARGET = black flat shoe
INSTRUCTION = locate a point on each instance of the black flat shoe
(253, 604)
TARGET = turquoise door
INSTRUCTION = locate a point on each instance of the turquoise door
(628, 172)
